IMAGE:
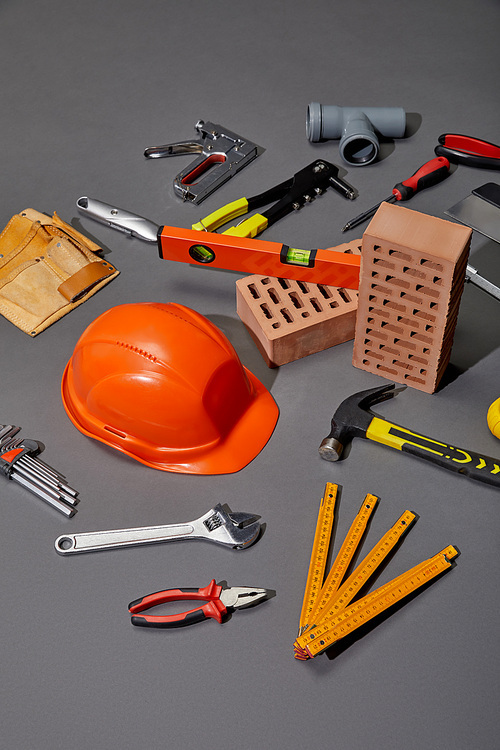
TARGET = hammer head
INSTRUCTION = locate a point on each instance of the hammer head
(352, 419)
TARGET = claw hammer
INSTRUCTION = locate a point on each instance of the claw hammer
(353, 418)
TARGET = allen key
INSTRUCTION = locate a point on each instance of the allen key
(19, 461)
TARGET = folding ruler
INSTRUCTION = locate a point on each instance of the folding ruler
(329, 611)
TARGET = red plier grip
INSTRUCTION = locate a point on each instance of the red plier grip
(464, 149)
(214, 608)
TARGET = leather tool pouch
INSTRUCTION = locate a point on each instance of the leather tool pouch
(46, 269)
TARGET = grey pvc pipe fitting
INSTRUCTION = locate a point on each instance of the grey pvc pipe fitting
(356, 127)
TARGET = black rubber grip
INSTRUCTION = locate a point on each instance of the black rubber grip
(466, 462)
(155, 621)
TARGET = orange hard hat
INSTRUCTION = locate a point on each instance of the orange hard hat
(164, 385)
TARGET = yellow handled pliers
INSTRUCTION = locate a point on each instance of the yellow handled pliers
(289, 195)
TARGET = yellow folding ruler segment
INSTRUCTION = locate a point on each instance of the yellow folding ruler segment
(344, 556)
(348, 590)
(333, 629)
(319, 554)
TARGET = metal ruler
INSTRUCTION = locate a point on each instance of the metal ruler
(332, 613)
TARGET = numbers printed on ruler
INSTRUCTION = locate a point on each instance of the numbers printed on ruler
(331, 614)
(346, 554)
(319, 554)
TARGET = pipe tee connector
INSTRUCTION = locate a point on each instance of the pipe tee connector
(357, 128)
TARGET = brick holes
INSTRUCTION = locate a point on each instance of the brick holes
(419, 360)
(405, 344)
(398, 282)
(414, 272)
(403, 365)
(273, 295)
(424, 315)
(394, 305)
(316, 305)
(379, 313)
(382, 289)
(254, 291)
(431, 265)
(389, 350)
(284, 283)
(407, 309)
(427, 290)
(389, 370)
(384, 263)
(286, 314)
(295, 299)
(413, 379)
(324, 291)
(401, 256)
(411, 298)
(376, 335)
(392, 328)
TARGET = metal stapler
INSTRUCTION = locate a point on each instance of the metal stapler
(222, 154)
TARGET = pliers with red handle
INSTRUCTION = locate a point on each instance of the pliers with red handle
(218, 600)
(463, 149)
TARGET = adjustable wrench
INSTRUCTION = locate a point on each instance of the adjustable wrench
(219, 524)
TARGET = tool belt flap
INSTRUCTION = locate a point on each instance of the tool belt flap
(46, 269)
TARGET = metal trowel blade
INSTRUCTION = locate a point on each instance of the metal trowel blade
(479, 215)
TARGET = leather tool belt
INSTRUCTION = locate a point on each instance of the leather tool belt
(46, 269)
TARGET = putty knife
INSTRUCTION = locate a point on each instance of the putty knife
(480, 210)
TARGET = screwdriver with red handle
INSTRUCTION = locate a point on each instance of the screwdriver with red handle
(430, 173)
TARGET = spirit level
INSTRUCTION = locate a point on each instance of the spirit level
(244, 254)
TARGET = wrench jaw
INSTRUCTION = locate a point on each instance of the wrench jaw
(235, 530)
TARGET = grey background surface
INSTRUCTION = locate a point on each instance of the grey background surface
(85, 87)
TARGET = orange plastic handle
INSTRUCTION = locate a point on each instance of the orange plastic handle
(257, 256)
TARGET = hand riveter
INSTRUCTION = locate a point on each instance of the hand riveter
(237, 249)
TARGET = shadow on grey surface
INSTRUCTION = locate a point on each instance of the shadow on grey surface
(388, 145)
(478, 328)
(413, 123)
(77, 224)
(342, 645)
(245, 348)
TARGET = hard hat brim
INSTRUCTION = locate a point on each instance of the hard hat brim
(228, 455)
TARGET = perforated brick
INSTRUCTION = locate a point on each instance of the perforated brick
(411, 281)
(292, 319)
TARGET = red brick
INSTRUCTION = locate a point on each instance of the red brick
(292, 319)
(411, 281)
